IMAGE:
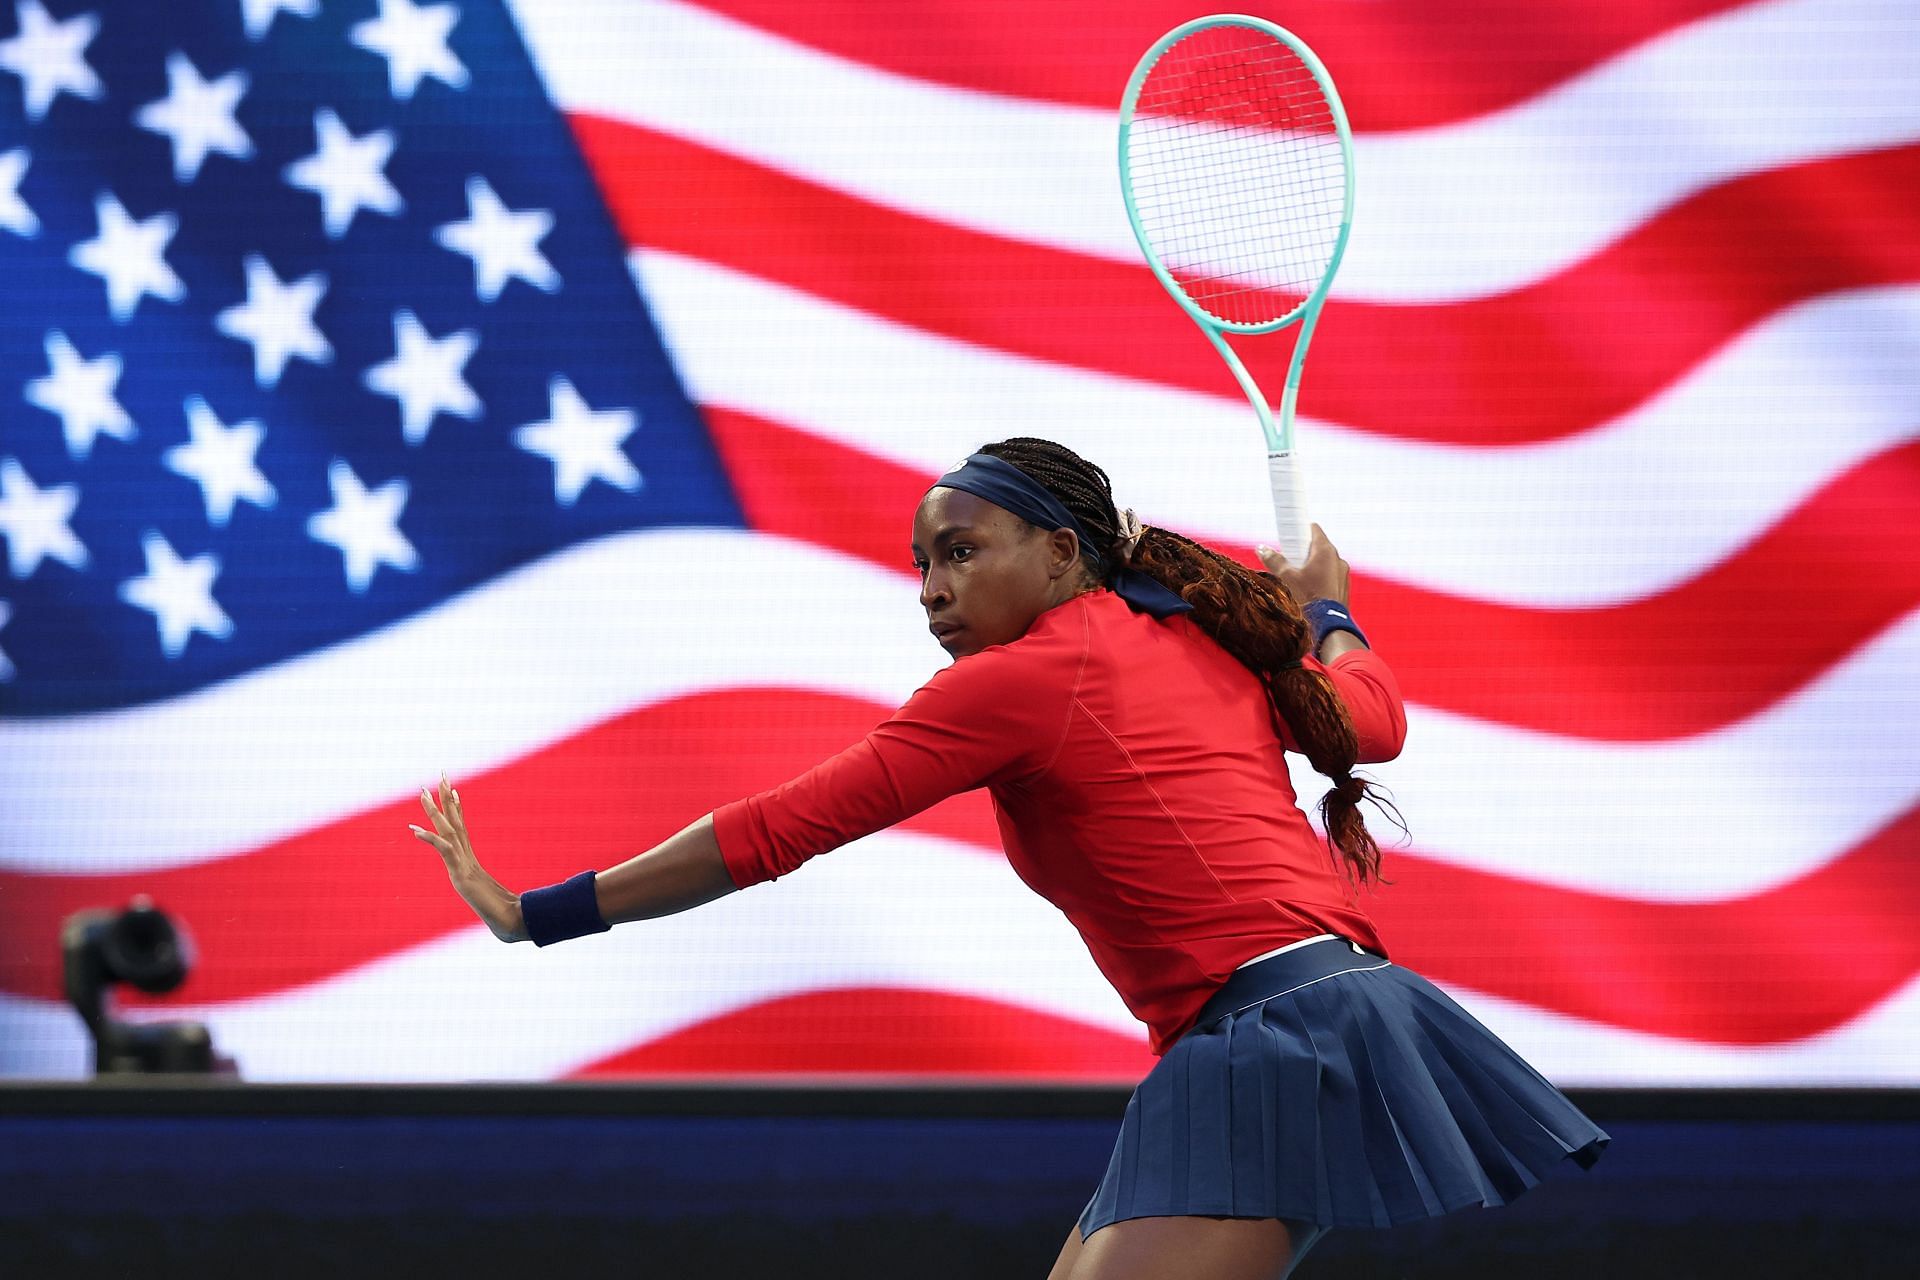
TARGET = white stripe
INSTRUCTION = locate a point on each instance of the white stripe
(1738, 811)
(1460, 211)
(1766, 800)
(1625, 510)
(1505, 200)
(1879, 1048)
(895, 911)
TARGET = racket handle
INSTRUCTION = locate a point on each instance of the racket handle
(1289, 504)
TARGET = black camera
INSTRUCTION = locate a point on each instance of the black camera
(139, 946)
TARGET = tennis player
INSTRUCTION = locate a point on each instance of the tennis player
(1127, 696)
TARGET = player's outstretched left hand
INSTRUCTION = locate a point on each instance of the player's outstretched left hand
(497, 909)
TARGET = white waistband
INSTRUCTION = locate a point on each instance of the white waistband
(1318, 937)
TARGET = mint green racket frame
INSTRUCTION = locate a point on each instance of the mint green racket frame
(1282, 456)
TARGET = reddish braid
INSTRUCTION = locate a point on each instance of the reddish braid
(1245, 611)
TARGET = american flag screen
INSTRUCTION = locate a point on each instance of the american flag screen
(540, 392)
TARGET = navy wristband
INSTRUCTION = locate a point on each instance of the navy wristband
(562, 911)
(1328, 616)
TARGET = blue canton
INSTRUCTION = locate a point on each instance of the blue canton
(314, 318)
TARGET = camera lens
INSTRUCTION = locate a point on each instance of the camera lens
(142, 948)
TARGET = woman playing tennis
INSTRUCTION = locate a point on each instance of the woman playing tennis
(1127, 696)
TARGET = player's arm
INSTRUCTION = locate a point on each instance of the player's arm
(1337, 643)
(973, 721)
(682, 871)
(1366, 684)
(992, 715)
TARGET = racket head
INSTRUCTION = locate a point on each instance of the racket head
(1236, 164)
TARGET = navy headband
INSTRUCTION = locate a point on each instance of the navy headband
(1007, 486)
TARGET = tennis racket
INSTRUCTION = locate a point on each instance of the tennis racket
(1237, 168)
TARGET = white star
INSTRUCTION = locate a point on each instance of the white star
(15, 216)
(35, 521)
(259, 14)
(50, 57)
(80, 392)
(277, 318)
(583, 445)
(179, 594)
(220, 461)
(502, 243)
(196, 116)
(414, 43)
(130, 256)
(425, 375)
(6, 667)
(346, 173)
(364, 525)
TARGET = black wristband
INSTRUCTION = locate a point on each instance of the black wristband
(1327, 616)
(561, 911)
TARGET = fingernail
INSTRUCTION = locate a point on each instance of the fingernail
(1263, 549)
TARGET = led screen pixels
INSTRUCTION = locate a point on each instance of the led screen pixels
(542, 394)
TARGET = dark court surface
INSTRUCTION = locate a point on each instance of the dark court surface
(794, 1183)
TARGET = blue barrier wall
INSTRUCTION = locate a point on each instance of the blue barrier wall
(851, 1183)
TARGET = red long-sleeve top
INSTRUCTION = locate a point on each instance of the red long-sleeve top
(1138, 785)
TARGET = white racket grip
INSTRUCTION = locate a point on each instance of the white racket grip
(1290, 504)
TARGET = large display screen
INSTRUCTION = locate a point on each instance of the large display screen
(540, 393)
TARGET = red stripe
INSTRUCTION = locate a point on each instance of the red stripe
(1398, 65)
(883, 1029)
(1753, 970)
(1700, 656)
(1546, 361)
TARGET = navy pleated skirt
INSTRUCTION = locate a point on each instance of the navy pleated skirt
(1326, 1085)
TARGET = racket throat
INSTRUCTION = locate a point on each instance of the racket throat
(1279, 434)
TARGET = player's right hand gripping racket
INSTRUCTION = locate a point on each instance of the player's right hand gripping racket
(1237, 167)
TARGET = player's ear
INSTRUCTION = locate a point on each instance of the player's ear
(1063, 552)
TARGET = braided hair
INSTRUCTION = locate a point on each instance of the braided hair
(1244, 610)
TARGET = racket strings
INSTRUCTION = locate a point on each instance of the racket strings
(1238, 173)
(1222, 220)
